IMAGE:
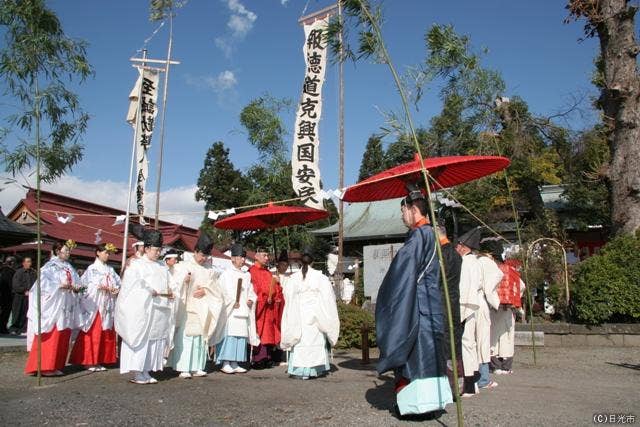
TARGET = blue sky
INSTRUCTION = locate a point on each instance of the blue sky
(232, 51)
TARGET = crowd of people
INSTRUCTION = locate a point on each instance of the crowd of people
(411, 321)
(180, 313)
(15, 285)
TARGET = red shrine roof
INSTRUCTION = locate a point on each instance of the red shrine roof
(88, 219)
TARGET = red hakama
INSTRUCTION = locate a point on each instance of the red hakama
(55, 347)
(95, 347)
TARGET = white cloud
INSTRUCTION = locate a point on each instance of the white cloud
(226, 80)
(241, 20)
(240, 23)
(222, 44)
(284, 2)
(178, 204)
(223, 85)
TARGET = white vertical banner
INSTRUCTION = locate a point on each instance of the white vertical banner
(305, 173)
(143, 99)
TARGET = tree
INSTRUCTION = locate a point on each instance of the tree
(220, 185)
(403, 150)
(372, 158)
(36, 58)
(587, 193)
(161, 9)
(270, 178)
(613, 21)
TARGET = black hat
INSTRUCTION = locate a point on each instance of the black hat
(283, 257)
(238, 250)
(414, 194)
(495, 249)
(152, 238)
(308, 251)
(471, 239)
(149, 237)
(204, 243)
(137, 230)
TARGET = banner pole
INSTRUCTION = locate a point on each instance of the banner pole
(130, 188)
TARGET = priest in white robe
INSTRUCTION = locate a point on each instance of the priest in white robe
(59, 287)
(470, 284)
(237, 326)
(143, 312)
(177, 278)
(488, 303)
(199, 308)
(310, 323)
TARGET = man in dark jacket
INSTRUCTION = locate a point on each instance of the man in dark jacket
(22, 282)
(6, 274)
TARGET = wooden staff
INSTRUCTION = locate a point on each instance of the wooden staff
(271, 286)
(238, 292)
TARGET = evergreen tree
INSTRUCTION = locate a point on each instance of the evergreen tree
(372, 159)
(220, 185)
(403, 150)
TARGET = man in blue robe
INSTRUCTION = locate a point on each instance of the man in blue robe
(410, 317)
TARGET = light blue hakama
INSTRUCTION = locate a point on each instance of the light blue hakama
(424, 395)
(189, 354)
(307, 372)
(232, 349)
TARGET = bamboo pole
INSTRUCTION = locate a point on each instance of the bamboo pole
(341, 156)
(425, 174)
(164, 111)
(38, 233)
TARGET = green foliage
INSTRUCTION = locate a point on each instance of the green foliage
(372, 159)
(220, 185)
(587, 192)
(161, 9)
(403, 149)
(264, 127)
(361, 14)
(606, 287)
(35, 61)
(351, 320)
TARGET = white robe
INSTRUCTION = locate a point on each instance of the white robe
(143, 321)
(503, 330)
(310, 318)
(59, 307)
(177, 275)
(96, 300)
(199, 316)
(487, 298)
(237, 322)
(470, 282)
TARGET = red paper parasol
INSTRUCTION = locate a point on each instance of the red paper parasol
(271, 216)
(447, 171)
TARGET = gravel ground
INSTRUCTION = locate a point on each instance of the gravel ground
(567, 387)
